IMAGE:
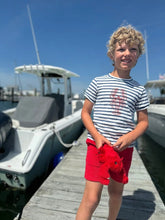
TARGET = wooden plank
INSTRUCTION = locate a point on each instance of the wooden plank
(60, 195)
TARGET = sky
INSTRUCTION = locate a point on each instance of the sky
(73, 34)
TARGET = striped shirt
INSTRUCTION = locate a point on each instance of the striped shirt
(115, 102)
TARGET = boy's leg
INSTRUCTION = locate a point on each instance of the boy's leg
(90, 200)
(115, 190)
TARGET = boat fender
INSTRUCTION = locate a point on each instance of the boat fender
(58, 157)
(5, 127)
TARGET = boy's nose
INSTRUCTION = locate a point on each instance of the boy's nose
(127, 52)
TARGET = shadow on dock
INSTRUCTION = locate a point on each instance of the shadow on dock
(140, 205)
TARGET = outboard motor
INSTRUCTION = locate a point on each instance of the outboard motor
(5, 127)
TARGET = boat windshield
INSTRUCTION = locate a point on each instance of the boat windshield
(55, 85)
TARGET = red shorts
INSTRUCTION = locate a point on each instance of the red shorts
(93, 164)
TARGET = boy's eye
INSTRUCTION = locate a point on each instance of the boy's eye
(120, 49)
(134, 49)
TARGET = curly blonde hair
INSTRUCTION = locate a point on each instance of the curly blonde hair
(127, 34)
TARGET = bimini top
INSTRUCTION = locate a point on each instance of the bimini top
(155, 84)
(45, 71)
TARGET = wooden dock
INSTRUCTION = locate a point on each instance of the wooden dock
(60, 195)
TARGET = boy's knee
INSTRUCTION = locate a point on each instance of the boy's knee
(116, 194)
(92, 201)
(115, 189)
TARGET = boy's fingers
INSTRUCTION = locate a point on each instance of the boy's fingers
(108, 142)
(116, 144)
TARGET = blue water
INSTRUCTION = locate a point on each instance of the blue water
(13, 201)
(6, 105)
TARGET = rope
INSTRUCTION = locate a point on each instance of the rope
(74, 143)
(18, 217)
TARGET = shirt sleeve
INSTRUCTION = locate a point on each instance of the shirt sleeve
(91, 92)
(143, 101)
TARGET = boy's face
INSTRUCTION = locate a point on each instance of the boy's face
(125, 56)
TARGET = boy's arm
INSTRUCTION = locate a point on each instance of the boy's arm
(142, 125)
(88, 123)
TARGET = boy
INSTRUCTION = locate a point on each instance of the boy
(115, 98)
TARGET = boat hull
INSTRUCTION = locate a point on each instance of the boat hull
(156, 129)
(52, 146)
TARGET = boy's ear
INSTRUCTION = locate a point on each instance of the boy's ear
(110, 55)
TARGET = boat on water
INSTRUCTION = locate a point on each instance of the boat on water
(39, 128)
(156, 110)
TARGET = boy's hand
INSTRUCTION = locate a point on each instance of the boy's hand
(101, 140)
(123, 142)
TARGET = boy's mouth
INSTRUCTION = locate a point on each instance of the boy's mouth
(126, 61)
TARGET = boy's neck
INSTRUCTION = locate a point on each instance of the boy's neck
(121, 74)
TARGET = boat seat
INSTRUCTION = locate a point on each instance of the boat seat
(5, 127)
(33, 111)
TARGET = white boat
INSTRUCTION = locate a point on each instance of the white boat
(38, 128)
(156, 111)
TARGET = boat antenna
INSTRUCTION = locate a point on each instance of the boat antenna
(33, 34)
(146, 48)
